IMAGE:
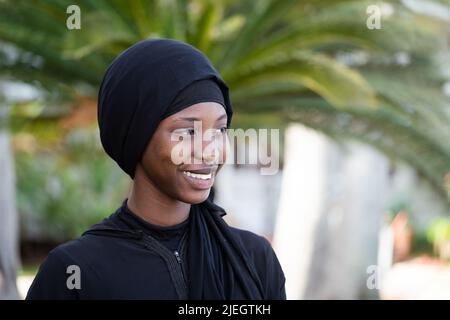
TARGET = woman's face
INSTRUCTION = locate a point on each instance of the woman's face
(186, 151)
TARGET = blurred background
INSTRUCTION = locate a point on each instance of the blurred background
(360, 91)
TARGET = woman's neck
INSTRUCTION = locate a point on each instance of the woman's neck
(149, 203)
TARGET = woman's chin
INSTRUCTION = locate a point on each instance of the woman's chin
(195, 197)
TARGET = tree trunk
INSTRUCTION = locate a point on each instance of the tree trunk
(9, 258)
(329, 216)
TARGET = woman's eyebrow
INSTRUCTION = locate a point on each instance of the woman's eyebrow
(223, 116)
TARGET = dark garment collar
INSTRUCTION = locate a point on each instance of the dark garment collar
(161, 232)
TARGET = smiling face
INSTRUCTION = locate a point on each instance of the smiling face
(199, 130)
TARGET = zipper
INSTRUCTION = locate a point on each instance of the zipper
(177, 255)
(173, 260)
(180, 262)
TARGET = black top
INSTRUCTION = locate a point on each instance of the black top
(168, 236)
(121, 258)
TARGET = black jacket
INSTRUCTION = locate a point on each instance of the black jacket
(117, 259)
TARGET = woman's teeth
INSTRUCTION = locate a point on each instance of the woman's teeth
(198, 175)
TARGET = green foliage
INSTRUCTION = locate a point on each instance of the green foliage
(63, 192)
(439, 231)
(300, 57)
(421, 245)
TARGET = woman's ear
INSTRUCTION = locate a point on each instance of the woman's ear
(139, 171)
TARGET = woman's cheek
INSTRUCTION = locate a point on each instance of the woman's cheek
(224, 149)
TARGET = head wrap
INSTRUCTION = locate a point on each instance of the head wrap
(205, 90)
(146, 83)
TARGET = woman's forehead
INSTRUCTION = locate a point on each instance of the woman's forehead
(199, 111)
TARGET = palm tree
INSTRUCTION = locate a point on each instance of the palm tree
(306, 61)
(314, 62)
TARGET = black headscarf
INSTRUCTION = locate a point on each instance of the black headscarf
(146, 83)
(206, 90)
(219, 268)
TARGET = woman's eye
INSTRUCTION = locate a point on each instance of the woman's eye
(191, 132)
(221, 131)
(185, 132)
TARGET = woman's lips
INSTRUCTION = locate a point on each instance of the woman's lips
(199, 181)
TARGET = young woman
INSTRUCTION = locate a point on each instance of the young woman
(168, 239)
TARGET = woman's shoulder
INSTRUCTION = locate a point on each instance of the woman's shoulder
(50, 281)
(253, 242)
(265, 260)
(70, 258)
(68, 253)
(98, 240)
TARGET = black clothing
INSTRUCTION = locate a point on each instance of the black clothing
(120, 259)
(137, 92)
(168, 236)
